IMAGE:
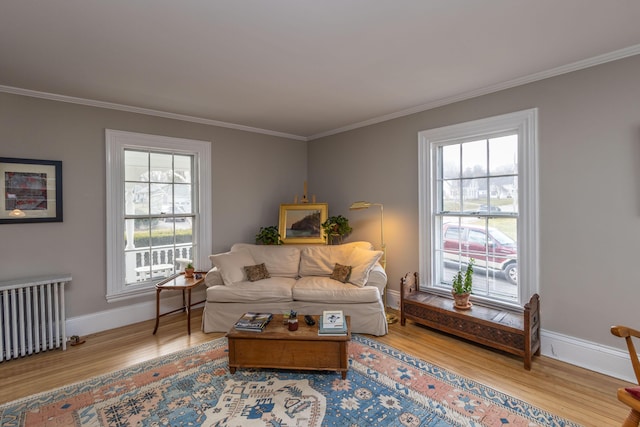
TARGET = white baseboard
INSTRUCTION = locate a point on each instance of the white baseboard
(586, 354)
(123, 316)
(575, 351)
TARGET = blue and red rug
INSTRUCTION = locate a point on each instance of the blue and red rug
(384, 387)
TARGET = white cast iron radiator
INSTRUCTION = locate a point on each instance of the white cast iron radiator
(33, 317)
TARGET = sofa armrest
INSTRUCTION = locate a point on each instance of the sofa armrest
(377, 278)
(213, 278)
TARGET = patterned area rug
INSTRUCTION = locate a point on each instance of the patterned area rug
(384, 387)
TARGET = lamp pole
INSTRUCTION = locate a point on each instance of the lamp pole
(391, 318)
(383, 246)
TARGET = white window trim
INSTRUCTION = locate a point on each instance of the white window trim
(525, 123)
(116, 142)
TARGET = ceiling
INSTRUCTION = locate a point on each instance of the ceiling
(299, 68)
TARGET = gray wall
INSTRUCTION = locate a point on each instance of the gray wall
(589, 127)
(589, 148)
(251, 173)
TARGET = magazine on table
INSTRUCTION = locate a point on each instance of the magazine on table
(254, 322)
(332, 330)
(333, 319)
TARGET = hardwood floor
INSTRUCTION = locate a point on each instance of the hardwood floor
(580, 395)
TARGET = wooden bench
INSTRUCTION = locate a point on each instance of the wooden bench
(514, 332)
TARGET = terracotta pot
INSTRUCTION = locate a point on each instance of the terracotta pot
(188, 272)
(461, 300)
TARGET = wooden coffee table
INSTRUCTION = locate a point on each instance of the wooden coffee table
(178, 282)
(277, 347)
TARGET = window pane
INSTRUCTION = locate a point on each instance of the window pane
(183, 172)
(182, 197)
(472, 195)
(474, 159)
(161, 167)
(142, 232)
(129, 232)
(129, 198)
(450, 161)
(161, 199)
(451, 196)
(136, 165)
(501, 200)
(503, 155)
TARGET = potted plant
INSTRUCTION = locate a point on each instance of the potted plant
(335, 227)
(462, 287)
(188, 271)
(268, 236)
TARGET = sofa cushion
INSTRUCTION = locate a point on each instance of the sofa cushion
(274, 289)
(231, 265)
(329, 291)
(256, 272)
(281, 261)
(361, 262)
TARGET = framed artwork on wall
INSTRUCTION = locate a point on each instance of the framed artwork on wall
(300, 223)
(30, 190)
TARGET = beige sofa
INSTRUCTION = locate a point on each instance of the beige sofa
(300, 280)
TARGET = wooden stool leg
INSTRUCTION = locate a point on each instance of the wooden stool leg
(632, 420)
(189, 311)
(157, 310)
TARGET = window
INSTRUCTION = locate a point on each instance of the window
(479, 200)
(157, 190)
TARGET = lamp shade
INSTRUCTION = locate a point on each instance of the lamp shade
(359, 205)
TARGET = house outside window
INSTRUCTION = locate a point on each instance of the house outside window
(479, 200)
(157, 189)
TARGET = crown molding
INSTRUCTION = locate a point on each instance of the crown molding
(146, 111)
(575, 66)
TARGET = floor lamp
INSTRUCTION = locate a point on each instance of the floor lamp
(391, 318)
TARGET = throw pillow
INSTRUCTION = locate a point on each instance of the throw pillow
(341, 273)
(231, 265)
(257, 272)
(362, 261)
(634, 391)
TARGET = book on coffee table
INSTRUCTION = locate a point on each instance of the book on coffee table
(332, 330)
(253, 322)
(333, 319)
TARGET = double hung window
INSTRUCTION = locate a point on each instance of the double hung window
(156, 189)
(478, 200)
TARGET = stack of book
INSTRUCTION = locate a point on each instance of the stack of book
(332, 323)
(253, 322)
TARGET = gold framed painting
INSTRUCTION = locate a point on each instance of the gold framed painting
(300, 223)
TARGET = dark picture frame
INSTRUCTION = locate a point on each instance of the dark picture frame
(30, 190)
(301, 223)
